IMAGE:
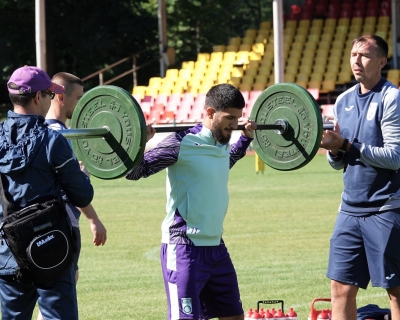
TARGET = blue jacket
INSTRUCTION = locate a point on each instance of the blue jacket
(371, 121)
(37, 163)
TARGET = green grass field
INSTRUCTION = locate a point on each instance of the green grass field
(277, 231)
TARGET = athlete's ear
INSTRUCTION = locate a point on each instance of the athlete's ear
(210, 112)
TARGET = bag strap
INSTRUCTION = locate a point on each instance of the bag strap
(7, 205)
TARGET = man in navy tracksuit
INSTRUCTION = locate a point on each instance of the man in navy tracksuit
(36, 163)
(365, 244)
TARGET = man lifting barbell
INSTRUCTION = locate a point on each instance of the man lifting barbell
(199, 277)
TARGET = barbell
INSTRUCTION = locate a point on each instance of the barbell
(108, 129)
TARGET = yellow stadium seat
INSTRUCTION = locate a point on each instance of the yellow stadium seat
(343, 77)
(302, 77)
(235, 41)
(382, 34)
(344, 22)
(305, 69)
(384, 19)
(313, 38)
(258, 48)
(317, 23)
(185, 74)
(324, 45)
(254, 56)
(203, 56)
(382, 27)
(253, 64)
(393, 73)
(310, 46)
(261, 78)
(292, 69)
(188, 65)
(250, 33)
(330, 76)
(242, 57)
(289, 77)
(152, 91)
(248, 79)
(302, 83)
(139, 91)
(355, 28)
(245, 86)
(370, 21)
(328, 86)
(316, 77)
(172, 73)
(319, 68)
(330, 22)
(251, 71)
(219, 48)
(265, 25)
(229, 56)
(237, 72)
(314, 84)
(356, 21)
(291, 24)
(155, 82)
(216, 56)
(264, 70)
(260, 39)
(395, 81)
(259, 86)
(232, 47)
(245, 47)
(247, 41)
(304, 23)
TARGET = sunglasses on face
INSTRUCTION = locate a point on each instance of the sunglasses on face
(50, 93)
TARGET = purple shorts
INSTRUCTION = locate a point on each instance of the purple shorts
(200, 282)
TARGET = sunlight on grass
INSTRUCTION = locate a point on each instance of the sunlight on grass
(277, 231)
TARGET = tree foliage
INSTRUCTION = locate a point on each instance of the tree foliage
(85, 36)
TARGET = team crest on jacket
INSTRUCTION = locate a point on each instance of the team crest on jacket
(372, 110)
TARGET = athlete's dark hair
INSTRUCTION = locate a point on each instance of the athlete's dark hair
(224, 96)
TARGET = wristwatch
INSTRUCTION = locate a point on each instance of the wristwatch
(344, 145)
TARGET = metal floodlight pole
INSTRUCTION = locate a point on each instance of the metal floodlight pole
(40, 34)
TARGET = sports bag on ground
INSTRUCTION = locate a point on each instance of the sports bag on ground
(40, 238)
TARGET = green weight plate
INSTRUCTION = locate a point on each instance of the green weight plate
(297, 146)
(116, 155)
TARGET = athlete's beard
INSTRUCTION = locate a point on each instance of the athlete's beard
(218, 133)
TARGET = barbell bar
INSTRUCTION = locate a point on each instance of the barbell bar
(108, 129)
(105, 132)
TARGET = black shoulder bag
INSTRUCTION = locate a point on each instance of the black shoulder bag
(40, 238)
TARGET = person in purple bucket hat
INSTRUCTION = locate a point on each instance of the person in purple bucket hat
(36, 163)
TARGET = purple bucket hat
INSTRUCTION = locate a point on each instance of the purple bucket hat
(28, 79)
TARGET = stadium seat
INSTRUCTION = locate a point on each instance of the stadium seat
(188, 65)
(139, 91)
(265, 25)
(232, 48)
(316, 77)
(172, 73)
(219, 48)
(245, 47)
(305, 69)
(302, 84)
(328, 86)
(261, 78)
(289, 77)
(312, 84)
(343, 78)
(330, 76)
